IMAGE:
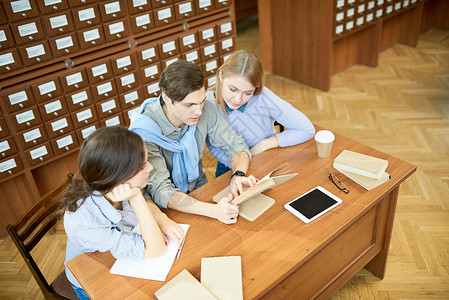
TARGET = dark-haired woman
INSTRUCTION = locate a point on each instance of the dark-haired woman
(105, 202)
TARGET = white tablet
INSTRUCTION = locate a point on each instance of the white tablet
(313, 204)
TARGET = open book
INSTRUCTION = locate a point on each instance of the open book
(252, 202)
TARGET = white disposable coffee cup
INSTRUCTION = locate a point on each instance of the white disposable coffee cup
(324, 140)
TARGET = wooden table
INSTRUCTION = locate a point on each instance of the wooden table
(281, 256)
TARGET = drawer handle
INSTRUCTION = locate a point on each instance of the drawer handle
(165, 21)
(94, 43)
(67, 148)
(24, 15)
(9, 171)
(67, 51)
(106, 94)
(140, 8)
(89, 22)
(85, 121)
(50, 95)
(8, 68)
(190, 46)
(31, 38)
(20, 104)
(152, 76)
(150, 60)
(28, 124)
(34, 142)
(76, 85)
(101, 77)
(114, 15)
(38, 59)
(82, 104)
(41, 159)
(206, 8)
(118, 35)
(186, 15)
(133, 103)
(3, 154)
(61, 131)
(56, 114)
(144, 27)
(125, 68)
(130, 86)
(55, 7)
(61, 29)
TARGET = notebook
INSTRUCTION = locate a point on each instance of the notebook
(222, 276)
(361, 164)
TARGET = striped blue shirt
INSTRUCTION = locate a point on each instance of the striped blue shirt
(98, 226)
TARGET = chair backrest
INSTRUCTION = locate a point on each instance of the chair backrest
(30, 229)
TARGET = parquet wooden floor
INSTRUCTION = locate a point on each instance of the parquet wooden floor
(400, 107)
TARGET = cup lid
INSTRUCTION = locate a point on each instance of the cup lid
(324, 136)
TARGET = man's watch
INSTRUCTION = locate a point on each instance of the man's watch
(238, 173)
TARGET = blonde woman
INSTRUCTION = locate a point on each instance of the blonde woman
(251, 109)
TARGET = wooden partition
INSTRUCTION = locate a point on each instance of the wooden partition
(309, 41)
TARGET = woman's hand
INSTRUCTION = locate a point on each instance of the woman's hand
(171, 229)
(123, 192)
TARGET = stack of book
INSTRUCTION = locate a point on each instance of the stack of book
(367, 171)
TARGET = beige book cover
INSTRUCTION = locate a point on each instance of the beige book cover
(362, 164)
(269, 181)
(184, 286)
(252, 202)
(222, 276)
(366, 182)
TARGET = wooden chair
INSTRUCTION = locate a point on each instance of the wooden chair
(30, 229)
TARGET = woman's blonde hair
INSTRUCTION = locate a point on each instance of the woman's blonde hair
(240, 63)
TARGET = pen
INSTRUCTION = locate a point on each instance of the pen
(180, 248)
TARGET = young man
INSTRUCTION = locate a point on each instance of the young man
(175, 127)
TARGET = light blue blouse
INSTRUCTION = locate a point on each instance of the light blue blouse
(256, 122)
(98, 226)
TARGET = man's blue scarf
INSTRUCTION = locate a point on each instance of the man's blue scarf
(185, 152)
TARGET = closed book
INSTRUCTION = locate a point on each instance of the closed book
(366, 182)
(361, 164)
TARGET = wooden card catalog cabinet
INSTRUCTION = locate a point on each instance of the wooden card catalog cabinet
(10, 61)
(53, 109)
(7, 147)
(64, 45)
(192, 56)
(59, 127)
(58, 23)
(28, 31)
(124, 64)
(26, 119)
(80, 99)
(18, 10)
(163, 16)
(6, 37)
(131, 99)
(112, 10)
(39, 154)
(184, 9)
(18, 99)
(127, 82)
(150, 73)
(148, 54)
(49, 6)
(100, 72)
(47, 90)
(83, 133)
(75, 81)
(204, 6)
(86, 16)
(66, 143)
(10, 166)
(32, 137)
(85, 64)
(160, 3)
(138, 6)
(143, 22)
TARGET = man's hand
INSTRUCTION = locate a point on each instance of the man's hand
(226, 212)
(239, 182)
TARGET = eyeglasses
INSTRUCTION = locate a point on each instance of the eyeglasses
(338, 183)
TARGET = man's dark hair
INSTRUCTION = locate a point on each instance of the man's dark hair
(180, 79)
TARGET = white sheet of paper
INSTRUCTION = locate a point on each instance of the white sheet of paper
(149, 268)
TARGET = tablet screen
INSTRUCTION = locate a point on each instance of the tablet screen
(313, 204)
